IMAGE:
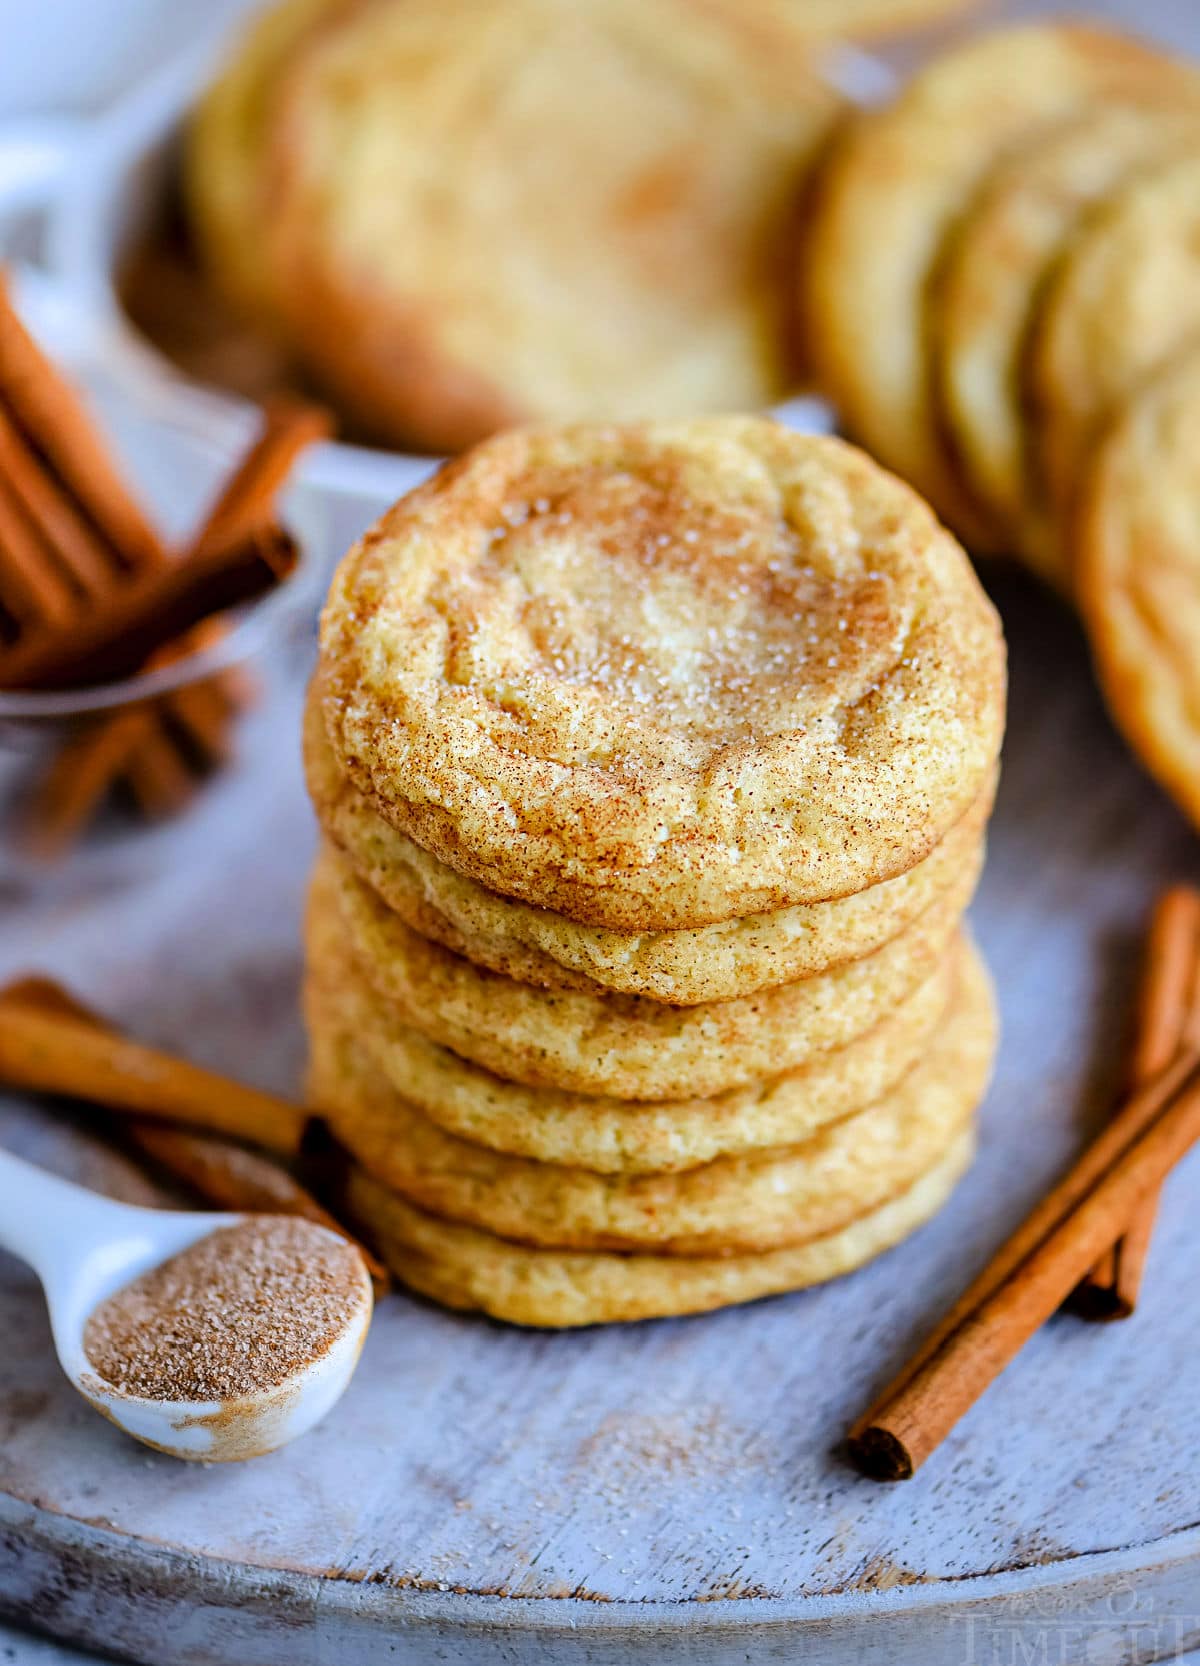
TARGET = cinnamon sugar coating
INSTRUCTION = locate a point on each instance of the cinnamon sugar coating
(234, 1314)
(687, 967)
(624, 1045)
(655, 677)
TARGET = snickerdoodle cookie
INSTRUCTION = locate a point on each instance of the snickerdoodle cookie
(491, 213)
(1125, 298)
(227, 136)
(609, 1135)
(1137, 569)
(730, 1205)
(624, 1045)
(685, 968)
(892, 191)
(992, 273)
(466, 1268)
(656, 677)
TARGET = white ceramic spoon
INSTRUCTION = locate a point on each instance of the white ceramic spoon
(85, 1247)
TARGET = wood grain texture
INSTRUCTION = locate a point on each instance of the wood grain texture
(666, 1490)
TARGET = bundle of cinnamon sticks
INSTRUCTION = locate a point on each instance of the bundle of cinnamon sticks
(89, 593)
(1087, 1239)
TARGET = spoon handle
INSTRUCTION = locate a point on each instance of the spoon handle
(42, 1217)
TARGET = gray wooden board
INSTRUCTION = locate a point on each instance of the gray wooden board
(665, 1490)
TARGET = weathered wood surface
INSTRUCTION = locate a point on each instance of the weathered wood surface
(670, 1489)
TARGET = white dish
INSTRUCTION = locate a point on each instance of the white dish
(85, 1247)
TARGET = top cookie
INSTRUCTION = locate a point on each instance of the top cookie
(891, 193)
(654, 677)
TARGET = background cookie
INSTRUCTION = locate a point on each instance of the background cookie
(224, 155)
(1137, 559)
(495, 213)
(990, 277)
(890, 194)
(1125, 296)
(651, 678)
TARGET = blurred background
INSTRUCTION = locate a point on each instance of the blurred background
(79, 54)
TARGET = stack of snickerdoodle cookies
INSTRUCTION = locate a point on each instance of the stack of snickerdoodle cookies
(653, 766)
(1003, 296)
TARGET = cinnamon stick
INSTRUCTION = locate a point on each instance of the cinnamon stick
(121, 632)
(238, 554)
(1168, 1020)
(34, 592)
(114, 748)
(49, 454)
(79, 778)
(157, 774)
(238, 686)
(1032, 1274)
(48, 1052)
(63, 564)
(72, 561)
(130, 745)
(222, 1173)
(202, 712)
(196, 717)
(81, 551)
(245, 505)
(50, 412)
(72, 531)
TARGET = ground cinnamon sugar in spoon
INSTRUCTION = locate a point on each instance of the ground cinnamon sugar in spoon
(238, 1312)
